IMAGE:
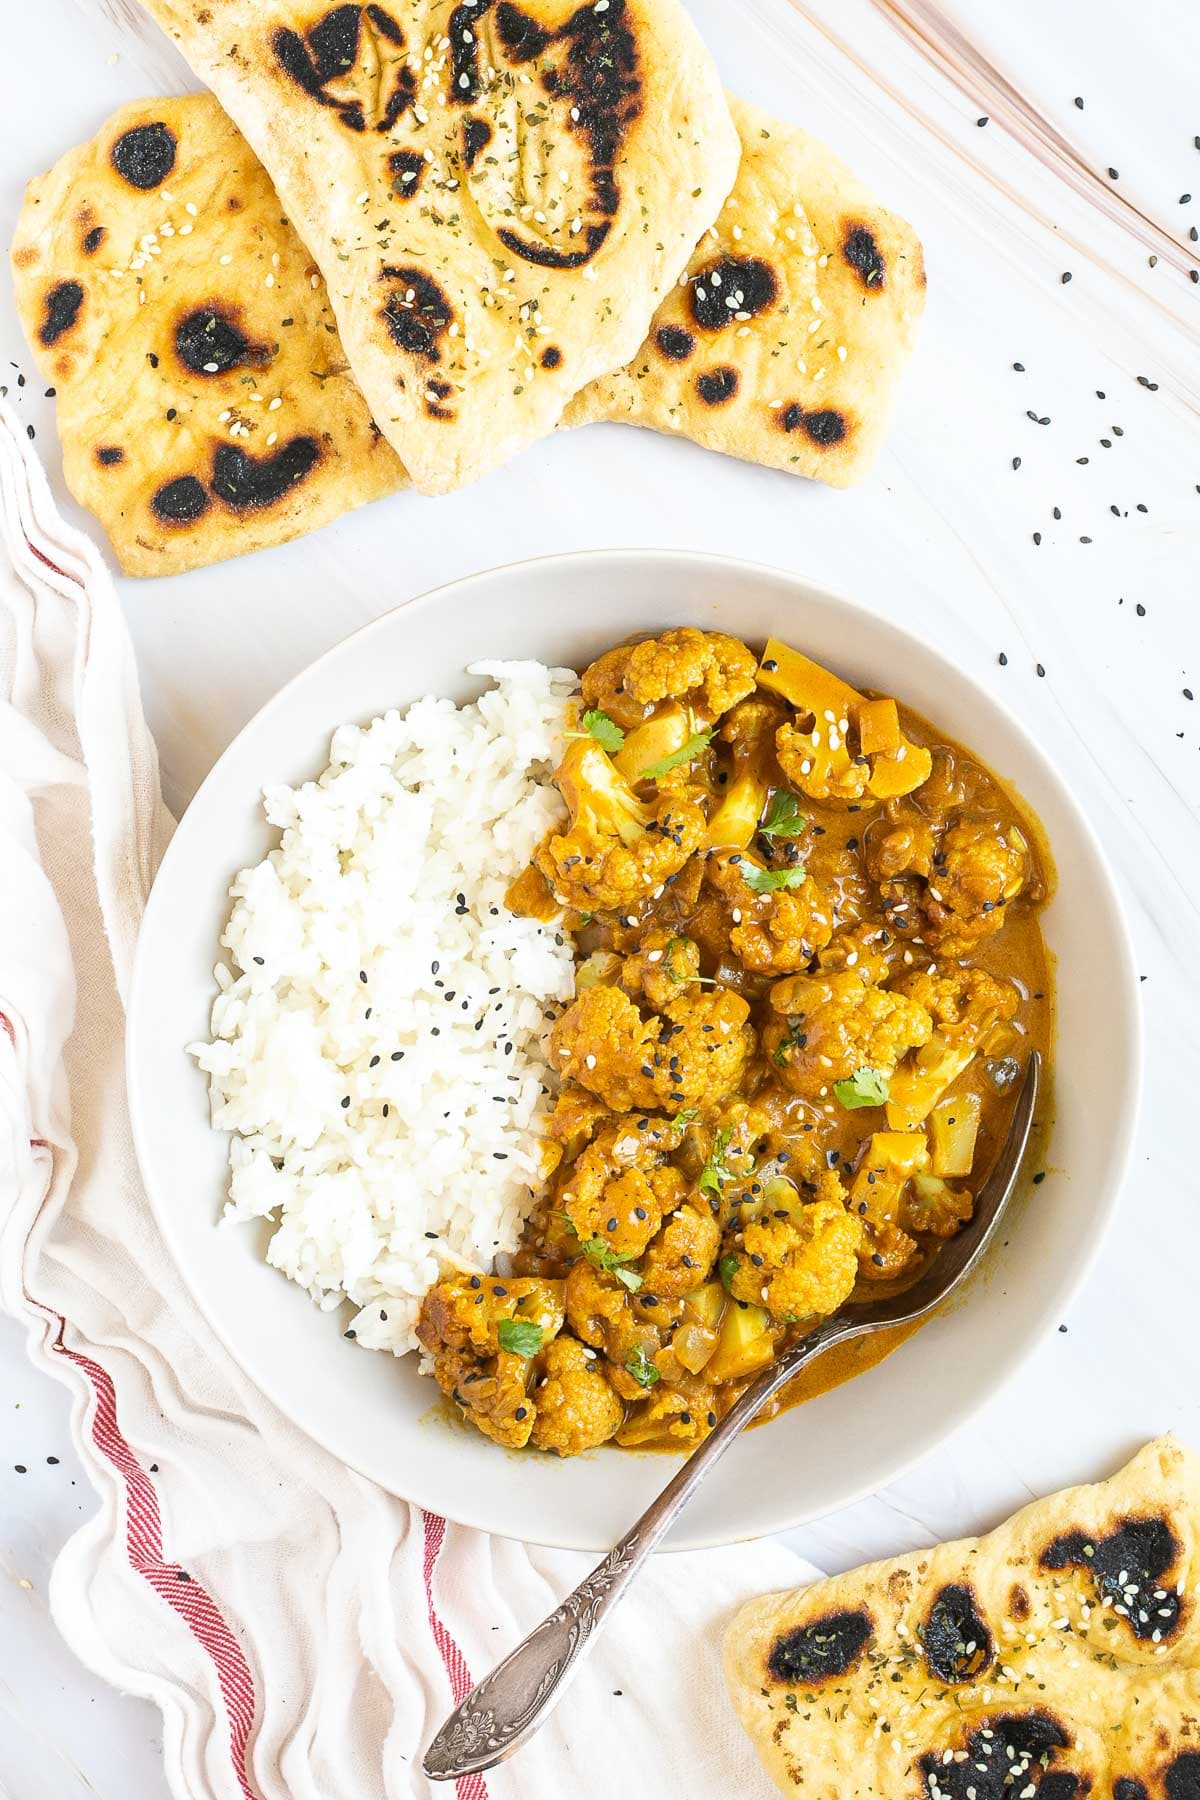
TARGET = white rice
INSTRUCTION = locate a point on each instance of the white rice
(374, 962)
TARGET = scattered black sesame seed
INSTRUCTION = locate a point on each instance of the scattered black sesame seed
(1113, 175)
(1039, 1178)
(1057, 513)
(1040, 669)
(1002, 660)
(1065, 277)
(1140, 610)
(1016, 462)
(1037, 537)
(1145, 381)
(345, 1101)
(1019, 367)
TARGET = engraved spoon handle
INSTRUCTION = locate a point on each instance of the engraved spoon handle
(513, 1701)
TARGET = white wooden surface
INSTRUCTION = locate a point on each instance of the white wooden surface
(941, 538)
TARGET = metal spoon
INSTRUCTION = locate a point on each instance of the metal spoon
(511, 1703)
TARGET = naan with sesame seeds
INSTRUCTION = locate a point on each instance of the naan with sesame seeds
(785, 340)
(204, 401)
(1056, 1658)
(499, 194)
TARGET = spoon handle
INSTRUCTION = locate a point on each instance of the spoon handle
(511, 1703)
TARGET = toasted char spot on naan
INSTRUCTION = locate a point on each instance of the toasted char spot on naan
(209, 342)
(731, 290)
(61, 309)
(818, 1652)
(1130, 1567)
(717, 386)
(675, 343)
(957, 1643)
(813, 292)
(999, 1667)
(1004, 1753)
(145, 155)
(864, 256)
(204, 403)
(572, 153)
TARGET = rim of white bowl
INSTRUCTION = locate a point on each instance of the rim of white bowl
(1066, 1289)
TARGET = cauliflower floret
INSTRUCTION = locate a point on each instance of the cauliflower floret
(669, 1415)
(963, 1003)
(863, 948)
(835, 1025)
(661, 968)
(694, 1051)
(600, 1311)
(576, 1407)
(616, 850)
(823, 770)
(618, 1189)
(900, 843)
(576, 1119)
(459, 1326)
(705, 669)
(465, 1311)
(679, 1259)
(801, 1267)
(773, 932)
(978, 867)
(492, 1396)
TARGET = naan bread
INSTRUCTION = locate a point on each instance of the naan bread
(498, 194)
(1058, 1657)
(785, 341)
(204, 402)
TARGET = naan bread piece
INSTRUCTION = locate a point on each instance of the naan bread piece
(499, 193)
(1056, 1658)
(785, 341)
(204, 401)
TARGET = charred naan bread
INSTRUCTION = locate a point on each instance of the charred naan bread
(1056, 1658)
(204, 401)
(785, 341)
(498, 193)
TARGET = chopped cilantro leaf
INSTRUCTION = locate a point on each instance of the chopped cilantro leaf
(699, 740)
(521, 1336)
(606, 731)
(784, 818)
(769, 881)
(716, 1172)
(866, 1087)
(727, 1269)
(638, 1364)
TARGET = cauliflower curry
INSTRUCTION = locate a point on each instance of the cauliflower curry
(809, 971)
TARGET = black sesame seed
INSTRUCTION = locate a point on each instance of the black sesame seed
(522, 1412)
(1037, 537)
(1016, 462)
(396, 1055)
(1002, 660)
(374, 1062)
(1039, 1178)
(1019, 367)
(1057, 513)
(345, 1101)
(1079, 102)
(1041, 669)
(1113, 175)
(1066, 276)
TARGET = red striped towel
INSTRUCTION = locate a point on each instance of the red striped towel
(302, 1631)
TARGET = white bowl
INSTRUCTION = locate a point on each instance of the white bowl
(376, 1413)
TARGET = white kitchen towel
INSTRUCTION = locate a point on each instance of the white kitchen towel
(302, 1631)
